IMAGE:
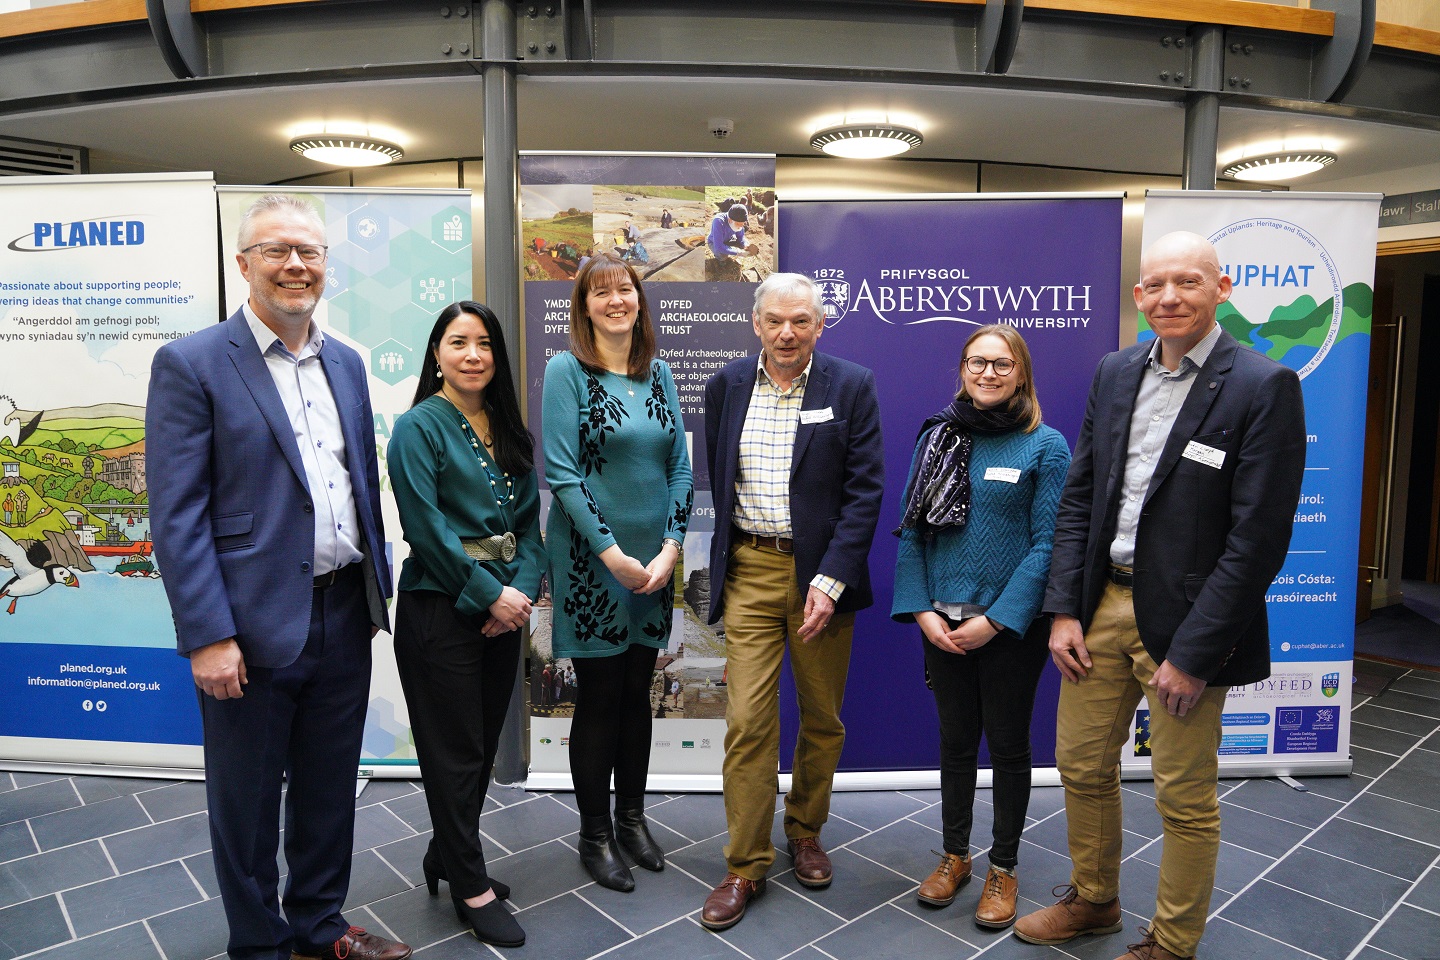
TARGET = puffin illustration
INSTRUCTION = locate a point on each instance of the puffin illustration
(35, 570)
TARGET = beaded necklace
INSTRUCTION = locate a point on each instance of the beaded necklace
(508, 494)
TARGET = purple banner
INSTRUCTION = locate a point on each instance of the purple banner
(906, 282)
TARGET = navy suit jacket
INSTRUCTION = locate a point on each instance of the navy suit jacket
(1210, 540)
(837, 474)
(232, 522)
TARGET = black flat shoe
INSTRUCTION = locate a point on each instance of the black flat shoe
(435, 872)
(491, 923)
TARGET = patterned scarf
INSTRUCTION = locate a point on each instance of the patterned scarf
(939, 495)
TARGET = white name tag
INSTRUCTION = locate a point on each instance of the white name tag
(1008, 474)
(1202, 454)
(817, 416)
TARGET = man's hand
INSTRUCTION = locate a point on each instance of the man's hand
(1067, 648)
(1177, 689)
(219, 669)
(819, 608)
(509, 612)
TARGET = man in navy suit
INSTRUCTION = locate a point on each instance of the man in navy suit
(264, 493)
(792, 438)
(1175, 519)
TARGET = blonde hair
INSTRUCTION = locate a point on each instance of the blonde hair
(1024, 402)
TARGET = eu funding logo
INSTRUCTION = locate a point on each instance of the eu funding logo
(63, 235)
(1330, 684)
(903, 296)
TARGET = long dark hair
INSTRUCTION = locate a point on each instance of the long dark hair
(604, 266)
(514, 445)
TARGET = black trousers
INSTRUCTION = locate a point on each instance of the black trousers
(990, 690)
(458, 685)
(610, 731)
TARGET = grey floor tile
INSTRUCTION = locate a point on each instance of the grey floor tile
(778, 923)
(904, 846)
(1396, 699)
(38, 800)
(167, 803)
(1234, 868)
(1294, 918)
(1371, 763)
(1363, 890)
(891, 932)
(685, 939)
(1426, 894)
(507, 794)
(385, 790)
(202, 868)
(422, 920)
(126, 899)
(1044, 801)
(22, 780)
(1420, 684)
(704, 861)
(458, 947)
(192, 933)
(1381, 739)
(1414, 779)
(1040, 871)
(51, 872)
(1395, 816)
(1367, 846)
(1379, 714)
(836, 833)
(1224, 939)
(408, 855)
(30, 926)
(377, 825)
(586, 932)
(540, 873)
(95, 789)
(982, 820)
(523, 825)
(859, 887)
(15, 841)
(1259, 832)
(162, 842)
(412, 809)
(88, 822)
(872, 809)
(372, 879)
(698, 816)
(657, 900)
(1409, 933)
(1279, 800)
(1337, 788)
(1370, 953)
(131, 942)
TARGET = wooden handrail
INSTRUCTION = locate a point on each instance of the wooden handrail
(1401, 37)
(68, 16)
(1230, 13)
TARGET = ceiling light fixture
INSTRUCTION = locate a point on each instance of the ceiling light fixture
(866, 141)
(341, 150)
(1286, 165)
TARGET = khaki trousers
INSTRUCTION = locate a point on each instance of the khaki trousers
(764, 606)
(1093, 727)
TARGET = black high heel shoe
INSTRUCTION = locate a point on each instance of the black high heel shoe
(435, 872)
(491, 923)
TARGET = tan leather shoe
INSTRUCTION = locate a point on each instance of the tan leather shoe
(939, 888)
(356, 944)
(1148, 949)
(812, 866)
(726, 903)
(996, 910)
(1073, 916)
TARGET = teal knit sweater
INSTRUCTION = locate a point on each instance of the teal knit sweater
(1000, 559)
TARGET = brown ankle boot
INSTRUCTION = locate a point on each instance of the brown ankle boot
(939, 888)
(1068, 919)
(997, 904)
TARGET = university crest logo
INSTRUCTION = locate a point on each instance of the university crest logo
(1330, 684)
(834, 294)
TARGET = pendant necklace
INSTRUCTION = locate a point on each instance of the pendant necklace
(504, 492)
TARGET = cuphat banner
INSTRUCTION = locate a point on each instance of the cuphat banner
(1303, 267)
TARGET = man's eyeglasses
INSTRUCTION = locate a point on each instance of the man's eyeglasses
(280, 252)
(1003, 365)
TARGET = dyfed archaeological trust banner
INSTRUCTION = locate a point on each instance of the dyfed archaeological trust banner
(656, 212)
(906, 281)
(396, 258)
(1303, 267)
(96, 273)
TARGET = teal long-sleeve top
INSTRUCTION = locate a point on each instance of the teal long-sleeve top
(1000, 559)
(445, 493)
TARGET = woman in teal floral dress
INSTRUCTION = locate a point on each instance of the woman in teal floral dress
(617, 463)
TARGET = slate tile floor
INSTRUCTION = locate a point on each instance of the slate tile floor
(1350, 870)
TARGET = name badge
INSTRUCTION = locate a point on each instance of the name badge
(1202, 454)
(817, 416)
(1007, 474)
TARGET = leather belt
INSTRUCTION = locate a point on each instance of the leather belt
(499, 547)
(778, 544)
(333, 577)
(1122, 576)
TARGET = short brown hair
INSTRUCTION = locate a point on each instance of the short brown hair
(603, 267)
(1025, 403)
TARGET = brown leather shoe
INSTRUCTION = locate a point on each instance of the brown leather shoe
(726, 903)
(939, 888)
(1068, 919)
(997, 903)
(356, 944)
(812, 866)
(1148, 949)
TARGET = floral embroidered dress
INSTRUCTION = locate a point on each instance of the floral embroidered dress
(619, 470)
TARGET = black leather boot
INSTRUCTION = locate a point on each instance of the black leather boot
(601, 856)
(634, 833)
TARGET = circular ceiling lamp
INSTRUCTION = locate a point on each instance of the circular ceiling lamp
(346, 151)
(1274, 167)
(866, 141)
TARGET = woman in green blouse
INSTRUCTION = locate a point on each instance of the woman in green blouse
(462, 467)
(616, 461)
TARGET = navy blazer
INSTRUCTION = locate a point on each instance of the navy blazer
(232, 522)
(1210, 540)
(837, 474)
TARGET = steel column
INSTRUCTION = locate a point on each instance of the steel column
(1202, 109)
